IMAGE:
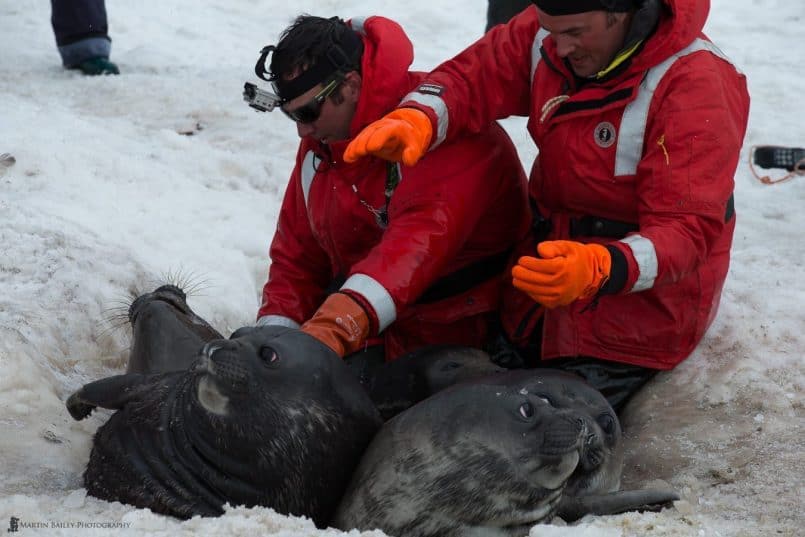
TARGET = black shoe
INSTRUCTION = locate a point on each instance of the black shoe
(98, 66)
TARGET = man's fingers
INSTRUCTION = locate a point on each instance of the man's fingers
(367, 142)
(553, 249)
(545, 266)
(411, 156)
(382, 139)
(538, 292)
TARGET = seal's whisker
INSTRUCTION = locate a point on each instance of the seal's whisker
(195, 283)
(120, 309)
(116, 318)
(190, 282)
(114, 326)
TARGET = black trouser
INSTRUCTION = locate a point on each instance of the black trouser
(74, 20)
(500, 11)
(617, 381)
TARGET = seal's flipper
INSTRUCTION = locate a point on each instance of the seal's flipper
(77, 408)
(572, 508)
(112, 393)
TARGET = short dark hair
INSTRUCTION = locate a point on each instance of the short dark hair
(306, 42)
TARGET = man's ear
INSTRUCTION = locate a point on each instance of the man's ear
(617, 18)
(352, 84)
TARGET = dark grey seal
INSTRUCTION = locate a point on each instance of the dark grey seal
(269, 417)
(166, 333)
(397, 385)
(493, 457)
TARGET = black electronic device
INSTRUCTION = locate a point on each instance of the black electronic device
(775, 156)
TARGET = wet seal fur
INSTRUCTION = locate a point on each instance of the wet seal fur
(166, 333)
(269, 417)
(493, 457)
(397, 385)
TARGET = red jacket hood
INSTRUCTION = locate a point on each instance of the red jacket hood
(681, 22)
(387, 55)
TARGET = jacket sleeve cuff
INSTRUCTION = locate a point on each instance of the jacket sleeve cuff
(618, 272)
(374, 298)
(431, 103)
(276, 320)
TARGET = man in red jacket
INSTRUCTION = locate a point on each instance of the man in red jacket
(639, 120)
(375, 252)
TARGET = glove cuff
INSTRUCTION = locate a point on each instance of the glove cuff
(340, 323)
(618, 273)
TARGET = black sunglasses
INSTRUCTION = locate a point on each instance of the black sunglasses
(310, 111)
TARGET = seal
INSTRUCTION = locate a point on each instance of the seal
(269, 417)
(397, 385)
(166, 333)
(493, 456)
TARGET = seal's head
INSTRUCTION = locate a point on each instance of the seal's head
(166, 332)
(601, 461)
(397, 385)
(451, 365)
(535, 445)
(271, 364)
(169, 294)
(286, 403)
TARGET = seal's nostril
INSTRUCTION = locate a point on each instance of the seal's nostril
(134, 308)
(169, 288)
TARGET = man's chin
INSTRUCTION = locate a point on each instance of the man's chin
(582, 71)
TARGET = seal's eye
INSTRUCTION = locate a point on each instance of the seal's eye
(607, 423)
(449, 366)
(269, 356)
(526, 410)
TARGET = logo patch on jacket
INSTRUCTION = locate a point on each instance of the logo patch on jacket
(431, 89)
(605, 134)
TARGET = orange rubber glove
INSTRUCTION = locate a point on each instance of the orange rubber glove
(567, 271)
(340, 323)
(402, 135)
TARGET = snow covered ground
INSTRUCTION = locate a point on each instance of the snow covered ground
(110, 193)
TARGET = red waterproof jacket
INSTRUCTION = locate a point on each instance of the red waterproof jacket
(434, 274)
(642, 160)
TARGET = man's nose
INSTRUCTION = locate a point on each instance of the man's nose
(564, 45)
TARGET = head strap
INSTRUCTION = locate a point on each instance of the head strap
(340, 58)
(572, 7)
